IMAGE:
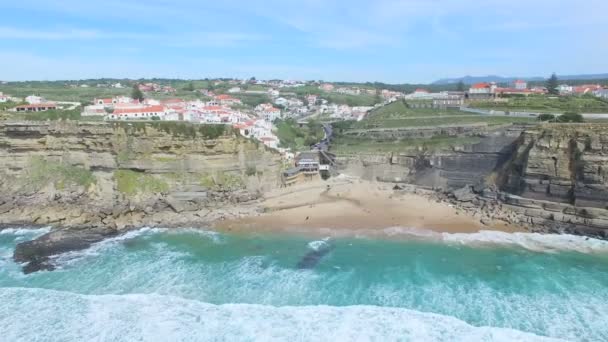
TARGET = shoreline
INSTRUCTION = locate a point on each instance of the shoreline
(349, 206)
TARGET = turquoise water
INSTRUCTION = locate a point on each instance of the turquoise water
(168, 285)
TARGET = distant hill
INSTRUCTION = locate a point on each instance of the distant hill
(501, 79)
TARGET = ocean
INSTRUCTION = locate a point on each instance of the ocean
(193, 285)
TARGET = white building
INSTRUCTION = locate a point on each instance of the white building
(3, 98)
(565, 89)
(602, 93)
(271, 114)
(234, 90)
(138, 113)
(33, 99)
(520, 85)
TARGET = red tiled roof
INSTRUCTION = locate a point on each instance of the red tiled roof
(149, 109)
(105, 101)
(420, 90)
(520, 82)
(224, 97)
(480, 85)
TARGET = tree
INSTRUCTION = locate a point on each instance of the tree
(189, 87)
(460, 86)
(136, 94)
(552, 84)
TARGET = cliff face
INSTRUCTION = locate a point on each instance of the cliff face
(565, 164)
(548, 178)
(104, 173)
(450, 169)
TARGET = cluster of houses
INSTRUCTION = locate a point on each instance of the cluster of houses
(583, 89)
(156, 88)
(218, 110)
(485, 90)
(519, 87)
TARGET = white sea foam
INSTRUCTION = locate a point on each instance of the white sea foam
(546, 243)
(37, 314)
(318, 244)
(33, 232)
(98, 248)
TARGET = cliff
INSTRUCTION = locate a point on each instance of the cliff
(551, 178)
(122, 174)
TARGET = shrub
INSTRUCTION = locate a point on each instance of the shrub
(130, 182)
(546, 117)
(570, 117)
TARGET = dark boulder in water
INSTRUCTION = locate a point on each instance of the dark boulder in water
(36, 254)
(312, 258)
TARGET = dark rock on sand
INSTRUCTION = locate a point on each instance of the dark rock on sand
(312, 258)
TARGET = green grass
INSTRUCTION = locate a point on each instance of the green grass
(399, 109)
(580, 104)
(50, 115)
(57, 92)
(351, 100)
(440, 121)
(252, 100)
(298, 138)
(349, 145)
(177, 129)
(62, 175)
(132, 183)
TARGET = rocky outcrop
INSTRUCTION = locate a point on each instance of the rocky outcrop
(36, 255)
(551, 178)
(561, 163)
(128, 174)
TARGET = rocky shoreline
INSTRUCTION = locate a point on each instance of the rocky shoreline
(538, 216)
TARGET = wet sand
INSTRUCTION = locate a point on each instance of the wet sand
(346, 206)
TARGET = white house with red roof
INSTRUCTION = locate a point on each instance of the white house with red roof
(227, 100)
(138, 113)
(520, 85)
(586, 89)
(4, 98)
(483, 90)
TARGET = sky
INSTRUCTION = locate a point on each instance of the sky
(395, 41)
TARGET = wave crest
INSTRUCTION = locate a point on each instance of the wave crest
(69, 316)
(536, 242)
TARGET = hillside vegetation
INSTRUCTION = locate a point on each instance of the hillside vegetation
(581, 104)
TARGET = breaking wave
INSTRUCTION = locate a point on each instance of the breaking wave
(66, 316)
(536, 242)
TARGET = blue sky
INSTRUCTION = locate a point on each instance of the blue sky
(393, 41)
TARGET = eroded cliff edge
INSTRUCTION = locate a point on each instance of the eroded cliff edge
(550, 178)
(129, 174)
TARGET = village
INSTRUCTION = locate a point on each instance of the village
(222, 103)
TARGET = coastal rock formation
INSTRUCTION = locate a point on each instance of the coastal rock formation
(447, 169)
(124, 174)
(551, 178)
(36, 254)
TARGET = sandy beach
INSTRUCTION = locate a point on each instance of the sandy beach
(350, 206)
